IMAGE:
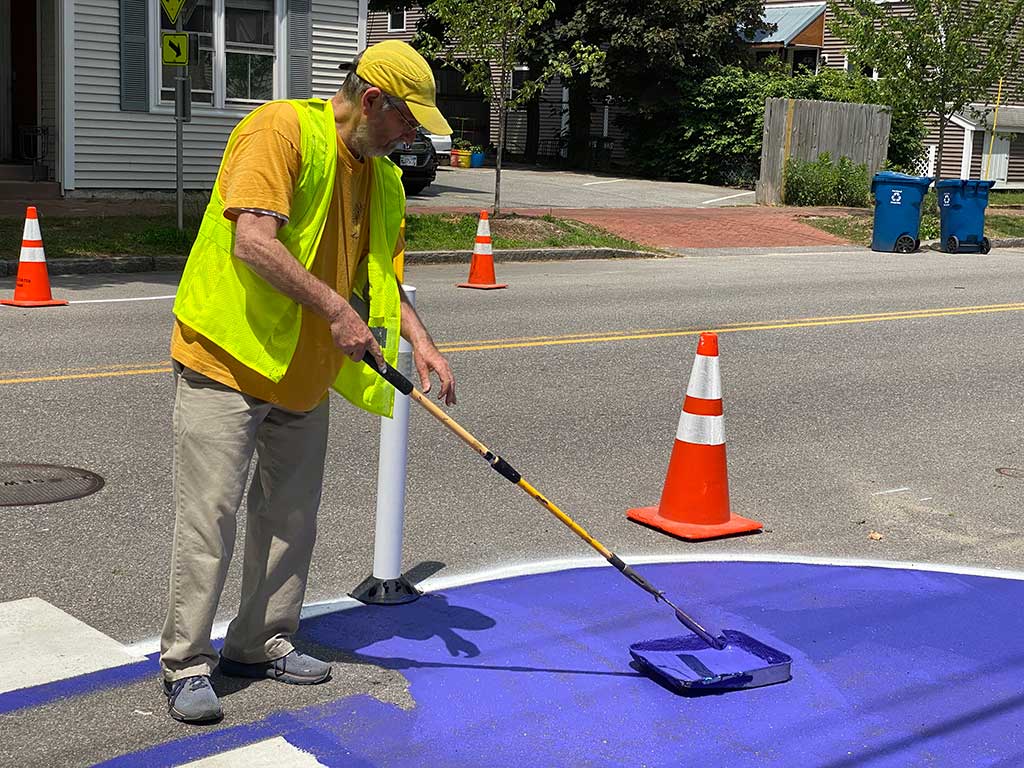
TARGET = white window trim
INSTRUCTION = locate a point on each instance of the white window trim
(966, 153)
(219, 107)
(405, 22)
(963, 122)
(66, 89)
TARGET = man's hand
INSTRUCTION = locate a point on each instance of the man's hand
(426, 358)
(351, 335)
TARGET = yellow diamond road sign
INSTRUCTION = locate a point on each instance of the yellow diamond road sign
(172, 8)
(174, 46)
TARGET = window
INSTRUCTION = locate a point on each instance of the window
(237, 53)
(396, 21)
(805, 58)
(865, 71)
(198, 20)
(519, 75)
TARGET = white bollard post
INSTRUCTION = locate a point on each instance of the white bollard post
(387, 586)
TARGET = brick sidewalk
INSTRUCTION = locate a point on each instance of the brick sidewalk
(742, 226)
(695, 227)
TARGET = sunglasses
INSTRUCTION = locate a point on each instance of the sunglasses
(394, 105)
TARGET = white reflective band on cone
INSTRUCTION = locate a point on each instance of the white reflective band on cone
(701, 430)
(484, 227)
(483, 249)
(32, 254)
(704, 379)
(32, 230)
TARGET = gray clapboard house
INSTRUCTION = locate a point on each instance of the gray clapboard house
(86, 106)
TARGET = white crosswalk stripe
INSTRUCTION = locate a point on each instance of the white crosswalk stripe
(39, 643)
(273, 753)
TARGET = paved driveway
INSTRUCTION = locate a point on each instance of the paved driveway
(474, 187)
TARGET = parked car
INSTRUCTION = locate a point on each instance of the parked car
(443, 147)
(418, 162)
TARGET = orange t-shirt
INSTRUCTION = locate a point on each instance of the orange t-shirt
(260, 174)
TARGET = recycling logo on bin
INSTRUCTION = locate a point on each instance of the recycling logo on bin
(945, 199)
(897, 197)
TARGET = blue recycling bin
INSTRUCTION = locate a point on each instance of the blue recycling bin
(962, 204)
(898, 199)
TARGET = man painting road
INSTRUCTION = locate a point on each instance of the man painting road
(290, 282)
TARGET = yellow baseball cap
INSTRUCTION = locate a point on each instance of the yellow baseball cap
(398, 70)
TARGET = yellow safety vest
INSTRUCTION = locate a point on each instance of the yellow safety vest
(223, 299)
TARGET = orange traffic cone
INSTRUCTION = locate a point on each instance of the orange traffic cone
(695, 500)
(32, 288)
(481, 268)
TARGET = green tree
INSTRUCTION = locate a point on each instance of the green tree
(655, 49)
(942, 55)
(486, 40)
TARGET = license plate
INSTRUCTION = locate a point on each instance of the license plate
(407, 159)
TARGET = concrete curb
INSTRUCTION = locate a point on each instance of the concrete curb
(124, 264)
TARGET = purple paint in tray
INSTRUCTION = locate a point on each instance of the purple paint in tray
(687, 664)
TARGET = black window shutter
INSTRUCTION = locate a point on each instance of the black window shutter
(134, 56)
(300, 49)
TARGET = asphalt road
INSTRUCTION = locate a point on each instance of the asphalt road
(863, 393)
(528, 188)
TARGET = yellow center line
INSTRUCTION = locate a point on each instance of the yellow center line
(101, 372)
(735, 328)
(93, 368)
(73, 376)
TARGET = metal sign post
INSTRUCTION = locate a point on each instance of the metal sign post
(175, 53)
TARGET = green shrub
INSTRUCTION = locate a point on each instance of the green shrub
(853, 187)
(822, 182)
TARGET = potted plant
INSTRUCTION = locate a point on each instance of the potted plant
(477, 157)
(460, 149)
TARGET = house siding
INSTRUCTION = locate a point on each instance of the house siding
(335, 42)
(977, 150)
(550, 123)
(1015, 174)
(814, 34)
(377, 27)
(115, 150)
(952, 154)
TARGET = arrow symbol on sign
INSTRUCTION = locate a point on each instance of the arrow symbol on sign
(174, 47)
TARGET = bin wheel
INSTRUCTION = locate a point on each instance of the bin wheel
(952, 244)
(986, 245)
(905, 244)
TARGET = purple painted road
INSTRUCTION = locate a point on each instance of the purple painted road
(891, 667)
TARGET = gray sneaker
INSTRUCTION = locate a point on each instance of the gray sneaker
(192, 700)
(295, 668)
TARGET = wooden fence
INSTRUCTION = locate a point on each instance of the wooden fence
(805, 129)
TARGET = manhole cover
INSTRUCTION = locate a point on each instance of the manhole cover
(24, 484)
(1010, 471)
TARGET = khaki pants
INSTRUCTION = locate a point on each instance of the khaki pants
(216, 432)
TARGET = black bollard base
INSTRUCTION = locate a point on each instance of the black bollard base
(374, 591)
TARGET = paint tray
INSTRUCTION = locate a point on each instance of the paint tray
(686, 664)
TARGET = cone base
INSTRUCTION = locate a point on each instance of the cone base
(482, 286)
(650, 516)
(24, 303)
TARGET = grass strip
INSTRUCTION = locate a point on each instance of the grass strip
(92, 237)
(857, 229)
(998, 197)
